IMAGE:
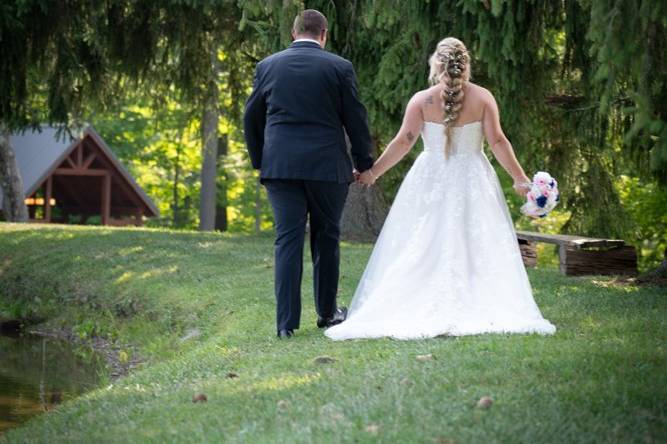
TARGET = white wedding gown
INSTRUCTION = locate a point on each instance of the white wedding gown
(447, 261)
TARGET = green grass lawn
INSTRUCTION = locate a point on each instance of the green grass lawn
(600, 378)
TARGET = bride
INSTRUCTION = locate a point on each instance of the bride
(447, 261)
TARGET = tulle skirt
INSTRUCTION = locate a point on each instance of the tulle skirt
(447, 261)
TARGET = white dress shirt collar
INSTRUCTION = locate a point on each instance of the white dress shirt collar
(306, 40)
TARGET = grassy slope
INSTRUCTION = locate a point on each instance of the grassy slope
(601, 378)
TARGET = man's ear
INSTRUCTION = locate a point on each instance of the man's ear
(293, 35)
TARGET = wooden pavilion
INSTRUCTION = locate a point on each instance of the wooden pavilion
(68, 181)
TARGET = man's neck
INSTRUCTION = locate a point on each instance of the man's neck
(306, 39)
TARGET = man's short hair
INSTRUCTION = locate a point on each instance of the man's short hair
(310, 22)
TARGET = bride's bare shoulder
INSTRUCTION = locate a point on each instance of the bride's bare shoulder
(479, 92)
(428, 97)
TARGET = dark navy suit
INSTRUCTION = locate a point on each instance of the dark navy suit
(304, 99)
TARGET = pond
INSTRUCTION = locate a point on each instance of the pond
(37, 374)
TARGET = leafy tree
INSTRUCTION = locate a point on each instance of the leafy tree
(61, 59)
(159, 145)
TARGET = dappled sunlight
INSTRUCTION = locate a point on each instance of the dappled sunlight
(156, 272)
(566, 290)
(283, 382)
(125, 277)
(622, 284)
(589, 323)
(129, 276)
(215, 386)
(139, 388)
(57, 235)
(128, 251)
(227, 351)
(155, 287)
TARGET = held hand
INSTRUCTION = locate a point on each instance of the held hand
(356, 174)
(367, 178)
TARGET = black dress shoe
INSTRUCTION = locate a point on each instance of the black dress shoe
(285, 333)
(339, 316)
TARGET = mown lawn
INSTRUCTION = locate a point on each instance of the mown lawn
(601, 378)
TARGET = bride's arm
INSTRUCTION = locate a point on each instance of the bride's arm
(401, 144)
(501, 147)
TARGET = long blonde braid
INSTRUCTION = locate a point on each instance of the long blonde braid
(450, 65)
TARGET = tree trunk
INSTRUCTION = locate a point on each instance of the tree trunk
(364, 213)
(13, 202)
(175, 198)
(657, 276)
(209, 172)
(221, 203)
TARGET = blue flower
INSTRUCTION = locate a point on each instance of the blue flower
(541, 201)
(557, 197)
(552, 184)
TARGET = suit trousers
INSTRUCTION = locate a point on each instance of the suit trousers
(293, 202)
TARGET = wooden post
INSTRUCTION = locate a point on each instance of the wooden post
(106, 198)
(79, 155)
(47, 199)
(528, 253)
(562, 259)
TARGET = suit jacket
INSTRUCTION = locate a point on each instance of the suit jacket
(302, 99)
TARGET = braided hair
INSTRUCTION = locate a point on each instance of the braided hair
(450, 66)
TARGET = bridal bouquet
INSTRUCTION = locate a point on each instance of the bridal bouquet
(542, 197)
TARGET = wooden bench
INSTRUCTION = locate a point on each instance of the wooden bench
(582, 255)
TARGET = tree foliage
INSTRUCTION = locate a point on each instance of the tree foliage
(581, 84)
(63, 58)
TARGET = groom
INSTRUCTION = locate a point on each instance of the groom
(303, 101)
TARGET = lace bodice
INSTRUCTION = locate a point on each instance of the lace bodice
(467, 138)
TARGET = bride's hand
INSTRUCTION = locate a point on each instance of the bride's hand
(521, 186)
(367, 178)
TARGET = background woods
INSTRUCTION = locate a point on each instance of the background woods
(581, 86)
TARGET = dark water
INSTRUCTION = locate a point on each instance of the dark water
(37, 374)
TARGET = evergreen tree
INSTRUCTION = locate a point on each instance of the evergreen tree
(581, 85)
